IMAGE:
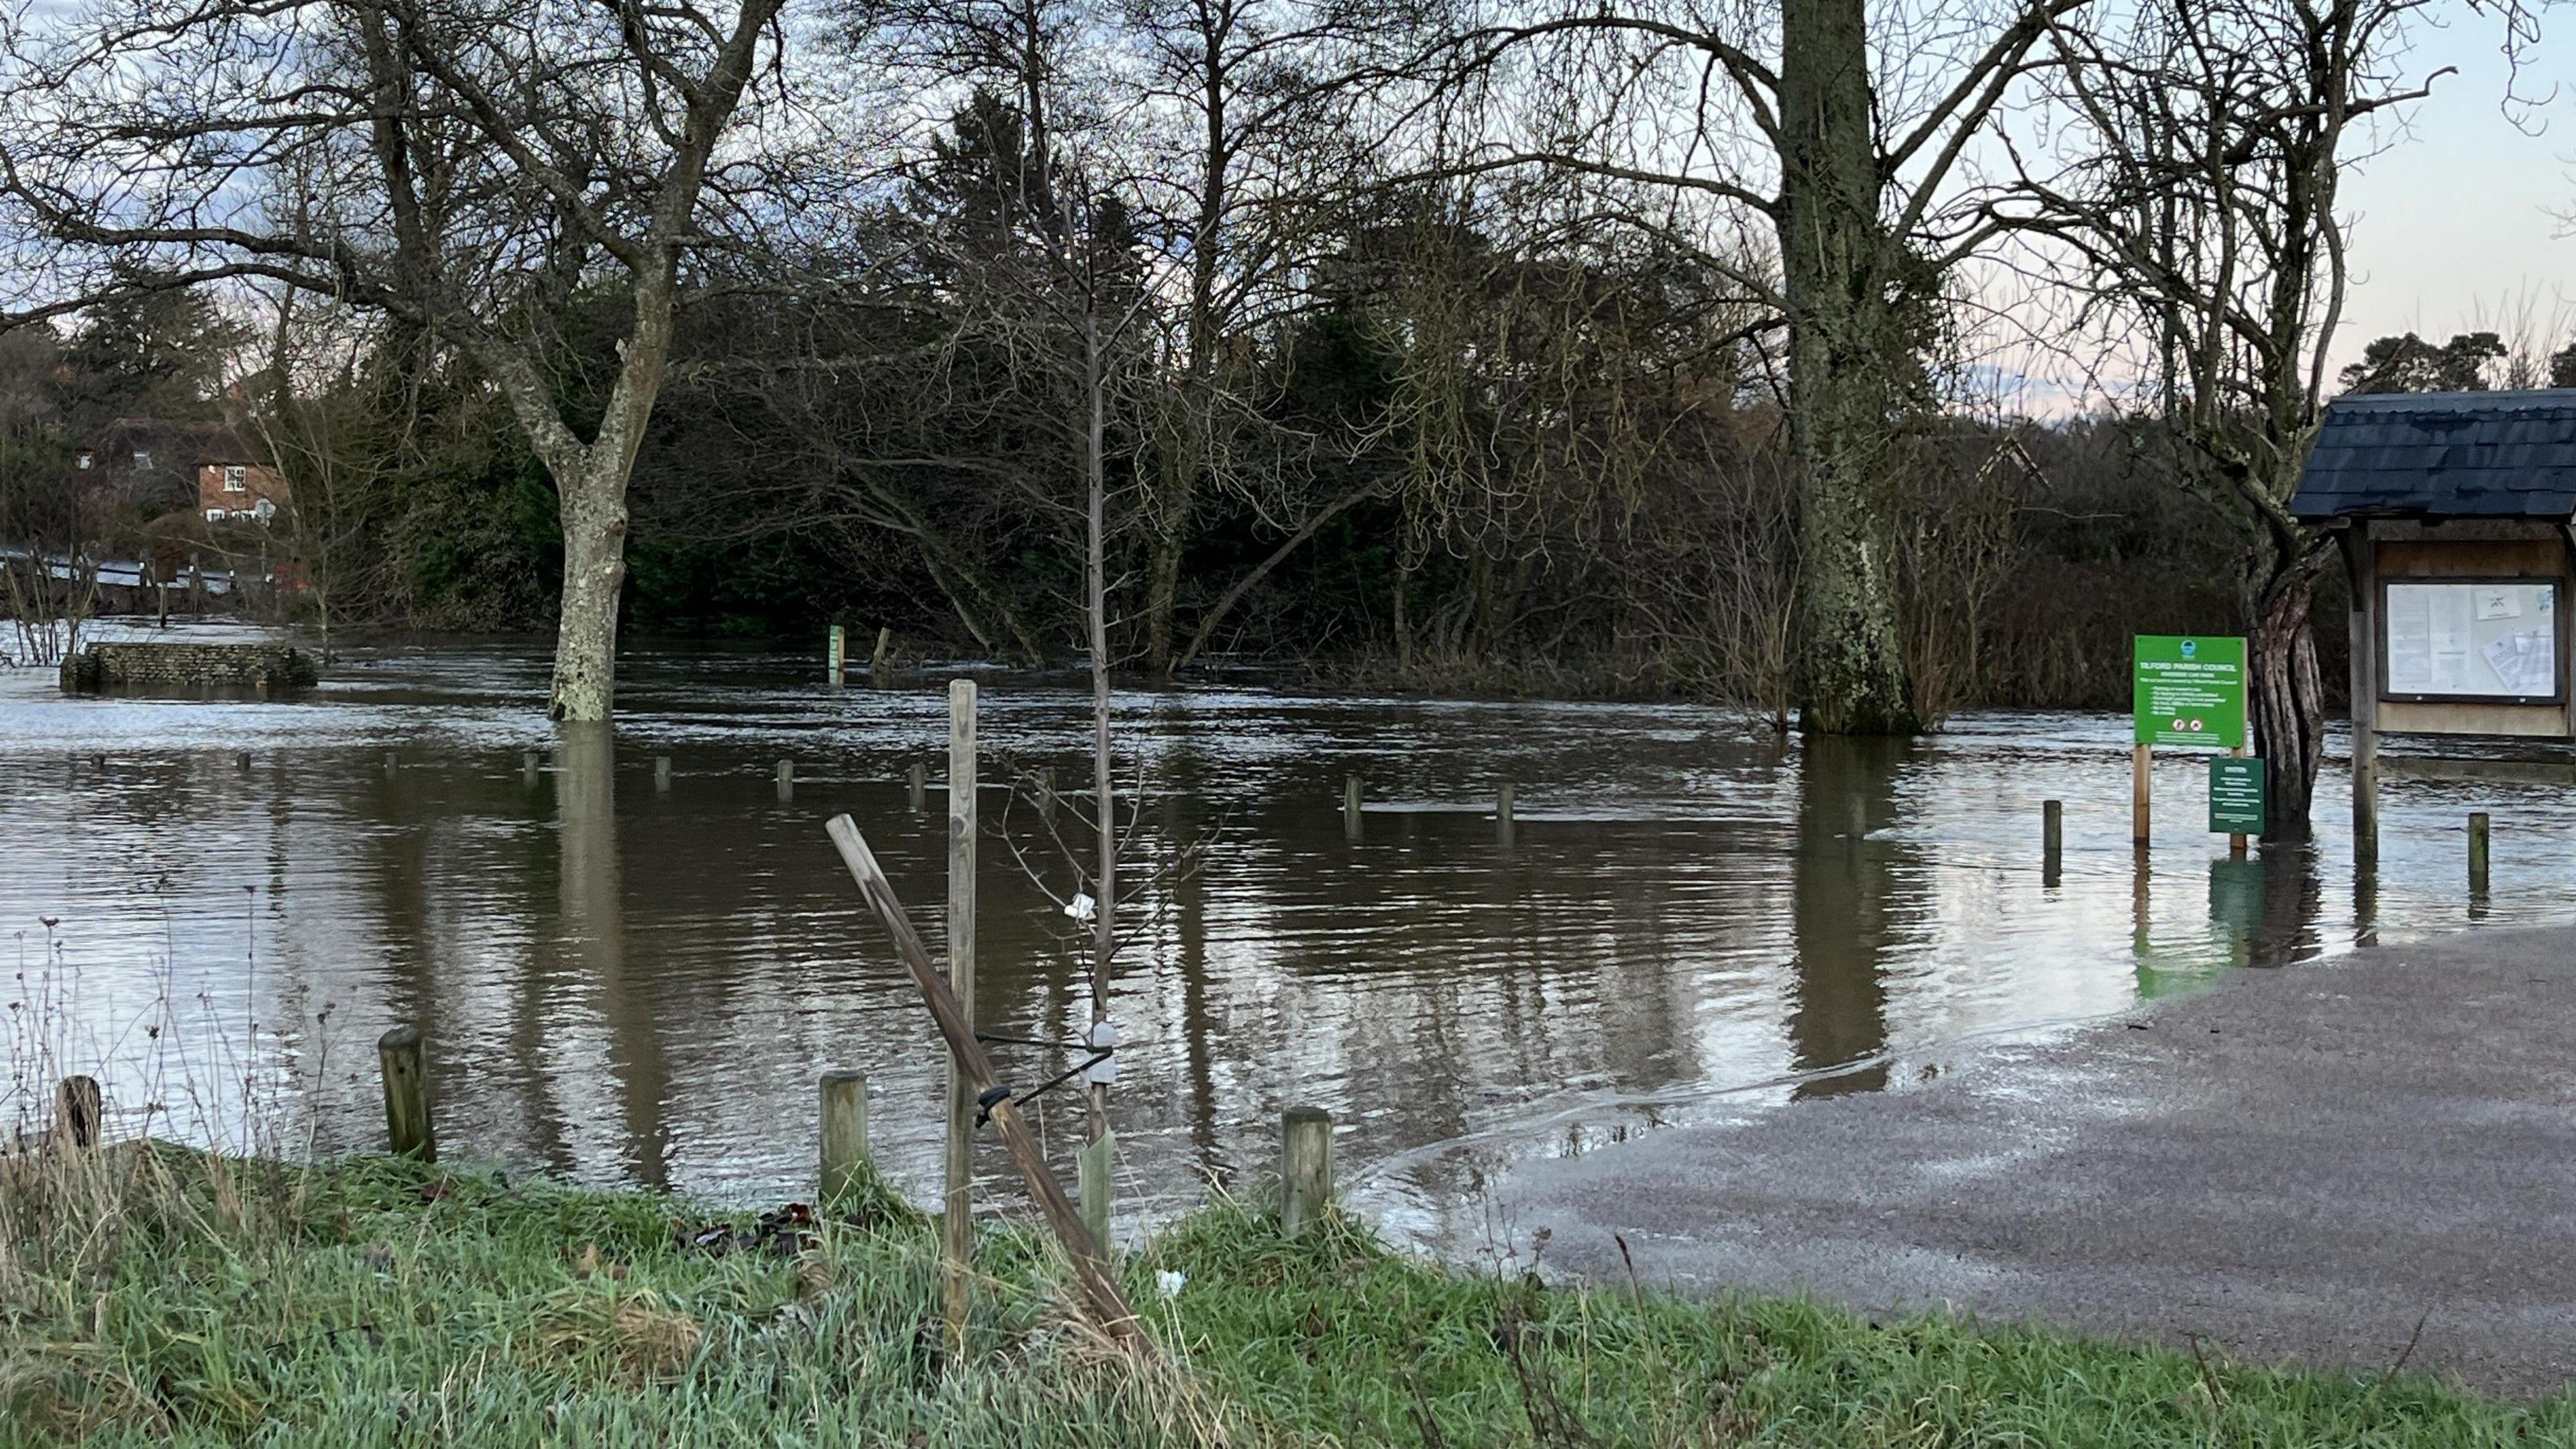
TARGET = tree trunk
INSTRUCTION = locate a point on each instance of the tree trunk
(1839, 268)
(2285, 697)
(594, 578)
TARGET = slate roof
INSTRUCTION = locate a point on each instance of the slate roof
(2443, 455)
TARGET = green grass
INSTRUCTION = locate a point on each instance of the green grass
(159, 1297)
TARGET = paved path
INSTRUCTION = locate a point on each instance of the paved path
(2301, 1164)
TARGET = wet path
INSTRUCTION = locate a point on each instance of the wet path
(626, 985)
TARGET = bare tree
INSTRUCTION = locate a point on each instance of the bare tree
(1837, 136)
(463, 166)
(2190, 205)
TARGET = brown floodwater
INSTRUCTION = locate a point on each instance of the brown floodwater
(622, 985)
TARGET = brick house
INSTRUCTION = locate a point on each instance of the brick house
(163, 466)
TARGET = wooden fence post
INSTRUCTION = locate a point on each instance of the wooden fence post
(2052, 839)
(957, 1210)
(2142, 792)
(2478, 853)
(662, 774)
(786, 779)
(528, 762)
(1305, 1167)
(80, 1112)
(845, 1133)
(835, 655)
(407, 1128)
(1351, 807)
(1503, 810)
(917, 781)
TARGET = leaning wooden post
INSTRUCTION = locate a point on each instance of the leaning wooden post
(662, 774)
(957, 1211)
(1091, 1275)
(80, 1112)
(880, 663)
(835, 655)
(845, 1133)
(2141, 791)
(2478, 853)
(1351, 807)
(407, 1128)
(917, 783)
(2052, 839)
(1305, 1167)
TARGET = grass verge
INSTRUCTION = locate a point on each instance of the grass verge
(149, 1295)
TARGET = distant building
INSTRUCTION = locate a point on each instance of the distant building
(163, 466)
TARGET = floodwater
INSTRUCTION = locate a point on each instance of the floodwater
(626, 985)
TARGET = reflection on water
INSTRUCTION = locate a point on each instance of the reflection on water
(627, 984)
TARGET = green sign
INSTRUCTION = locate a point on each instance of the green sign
(2235, 796)
(2190, 691)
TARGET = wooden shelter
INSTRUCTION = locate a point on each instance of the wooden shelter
(2454, 513)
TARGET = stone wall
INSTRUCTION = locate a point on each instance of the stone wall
(103, 667)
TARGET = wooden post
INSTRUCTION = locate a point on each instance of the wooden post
(835, 654)
(786, 779)
(80, 1115)
(957, 1202)
(1091, 1184)
(2052, 839)
(242, 761)
(1503, 810)
(1046, 795)
(917, 780)
(2361, 565)
(1305, 1167)
(845, 1133)
(2236, 841)
(391, 762)
(2142, 789)
(1350, 807)
(528, 761)
(1091, 1275)
(662, 774)
(880, 663)
(406, 1071)
(1859, 826)
(2478, 853)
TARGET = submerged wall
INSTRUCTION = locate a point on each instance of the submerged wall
(103, 667)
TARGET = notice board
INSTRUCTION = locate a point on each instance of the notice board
(2470, 639)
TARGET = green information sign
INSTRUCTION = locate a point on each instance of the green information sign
(2190, 691)
(2235, 796)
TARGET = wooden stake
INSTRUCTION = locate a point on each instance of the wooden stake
(528, 762)
(1305, 1167)
(242, 760)
(1503, 810)
(786, 779)
(2052, 839)
(390, 762)
(957, 1212)
(406, 1071)
(835, 654)
(1351, 807)
(1092, 1278)
(80, 1114)
(917, 781)
(662, 774)
(2141, 791)
(845, 1133)
(1091, 1184)
(1046, 795)
(2478, 853)
(880, 663)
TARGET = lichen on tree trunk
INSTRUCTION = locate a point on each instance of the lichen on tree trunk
(2285, 709)
(1841, 272)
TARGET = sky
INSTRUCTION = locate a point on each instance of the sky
(2454, 225)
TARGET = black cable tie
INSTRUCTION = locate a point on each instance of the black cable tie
(992, 1097)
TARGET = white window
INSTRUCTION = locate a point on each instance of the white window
(234, 478)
